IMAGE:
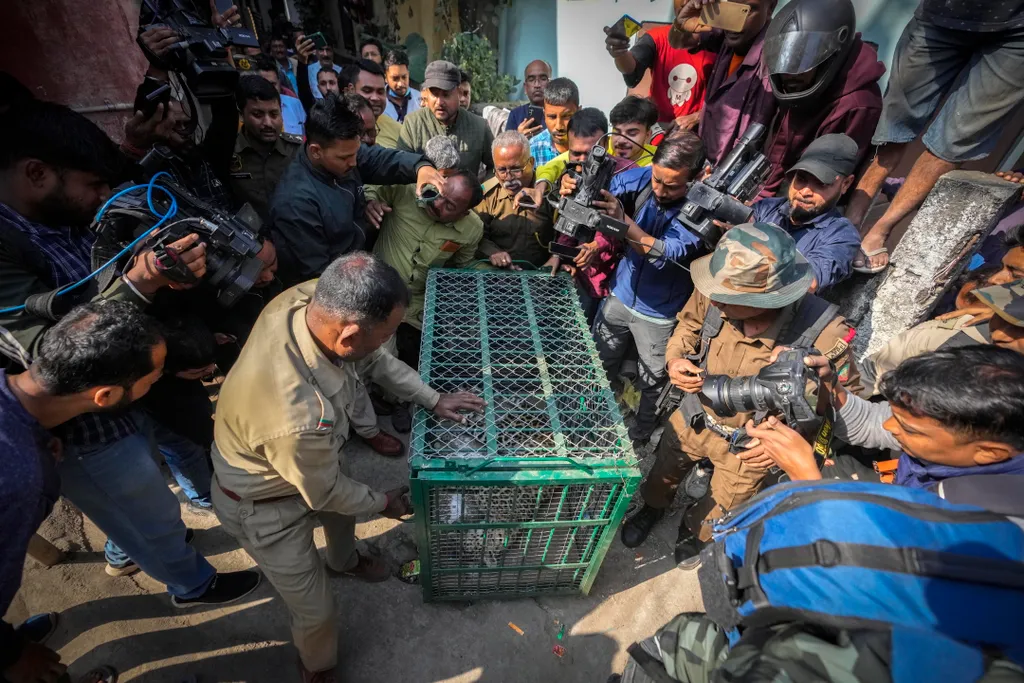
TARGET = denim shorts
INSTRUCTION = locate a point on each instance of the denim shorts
(983, 74)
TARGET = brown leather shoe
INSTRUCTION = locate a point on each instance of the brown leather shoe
(386, 445)
(370, 569)
(317, 676)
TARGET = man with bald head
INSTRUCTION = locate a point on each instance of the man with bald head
(512, 231)
(528, 118)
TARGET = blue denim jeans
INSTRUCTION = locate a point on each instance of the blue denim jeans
(187, 462)
(121, 489)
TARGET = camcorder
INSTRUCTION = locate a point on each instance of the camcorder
(232, 241)
(201, 56)
(787, 389)
(577, 216)
(724, 194)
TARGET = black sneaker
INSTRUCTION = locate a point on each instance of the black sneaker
(688, 552)
(226, 588)
(638, 527)
(129, 567)
(401, 419)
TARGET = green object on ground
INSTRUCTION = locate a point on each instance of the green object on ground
(526, 498)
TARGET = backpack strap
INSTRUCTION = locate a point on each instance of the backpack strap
(709, 329)
(810, 320)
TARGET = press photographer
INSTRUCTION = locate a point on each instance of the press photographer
(56, 169)
(940, 434)
(651, 283)
(752, 295)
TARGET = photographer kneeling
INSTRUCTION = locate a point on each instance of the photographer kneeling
(751, 296)
(942, 433)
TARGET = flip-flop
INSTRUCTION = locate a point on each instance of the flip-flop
(871, 270)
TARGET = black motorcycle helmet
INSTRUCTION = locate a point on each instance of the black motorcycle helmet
(806, 36)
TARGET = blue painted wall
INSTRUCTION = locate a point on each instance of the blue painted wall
(528, 31)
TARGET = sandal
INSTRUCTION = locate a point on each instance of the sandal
(102, 674)
(864, 256)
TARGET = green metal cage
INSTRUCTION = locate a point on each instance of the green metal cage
(525, 498)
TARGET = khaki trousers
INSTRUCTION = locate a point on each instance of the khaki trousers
(278, 535)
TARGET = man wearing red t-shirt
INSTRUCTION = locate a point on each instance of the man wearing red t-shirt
(678, 76)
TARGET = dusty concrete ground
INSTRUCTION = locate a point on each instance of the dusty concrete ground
(388, 634)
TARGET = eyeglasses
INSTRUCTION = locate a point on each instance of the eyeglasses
(511, 171)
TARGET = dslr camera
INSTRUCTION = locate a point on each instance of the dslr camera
(201, 56)
(786, 388)
(577, 216)
(723, 195)
(232, 242)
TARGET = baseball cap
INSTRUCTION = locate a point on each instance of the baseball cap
(828, 157)
(754, 264)
(443, 75)
(1007, 301)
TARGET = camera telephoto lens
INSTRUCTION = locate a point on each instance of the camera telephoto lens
(731, 395)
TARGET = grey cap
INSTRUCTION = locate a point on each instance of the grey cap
(829, 157)
(443, 75)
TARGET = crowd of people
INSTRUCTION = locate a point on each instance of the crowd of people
(361, 181)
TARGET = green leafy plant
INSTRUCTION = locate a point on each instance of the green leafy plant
(474, 55)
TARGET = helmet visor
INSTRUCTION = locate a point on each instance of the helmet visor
(796, 52)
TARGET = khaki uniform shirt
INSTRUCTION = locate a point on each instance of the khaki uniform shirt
(735, 355)
(283, 413)
(254, 175)
(412, 242)
(928, 336)
(388, 131)
(524, 233)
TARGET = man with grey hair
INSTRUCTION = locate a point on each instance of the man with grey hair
(514, 230)
(282, 421)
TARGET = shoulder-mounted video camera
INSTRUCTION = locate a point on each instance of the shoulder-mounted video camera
(577, 217)
(201, 56)
(232, 241)
(723, 195)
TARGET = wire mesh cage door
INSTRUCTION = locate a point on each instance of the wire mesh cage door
(524, 498)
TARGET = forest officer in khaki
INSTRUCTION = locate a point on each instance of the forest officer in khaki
(758, 281)
(282, 420)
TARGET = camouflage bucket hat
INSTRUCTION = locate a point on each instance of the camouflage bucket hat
(755, 264)
(1006, 300)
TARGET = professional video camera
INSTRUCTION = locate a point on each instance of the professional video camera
(202, 55)
(577, 217)
(786, 388)
(232, 242)
(722, 196)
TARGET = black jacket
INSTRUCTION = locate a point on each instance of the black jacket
(315, 218)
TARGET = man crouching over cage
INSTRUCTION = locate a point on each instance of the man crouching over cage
(282, 421)
(752, 295)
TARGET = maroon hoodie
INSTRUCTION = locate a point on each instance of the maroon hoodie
(851, 106)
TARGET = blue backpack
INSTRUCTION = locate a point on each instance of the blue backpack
(945, 580)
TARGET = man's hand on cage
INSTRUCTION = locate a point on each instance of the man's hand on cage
(399, 504)
(786, 448)
(146, 276)
(450, 406)
(503, 260)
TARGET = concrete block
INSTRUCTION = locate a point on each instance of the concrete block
(962, 209)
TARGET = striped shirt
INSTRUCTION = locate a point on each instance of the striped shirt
(67, 251)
